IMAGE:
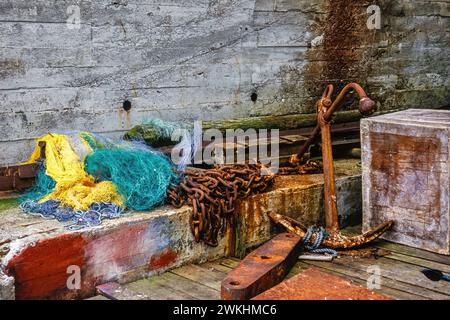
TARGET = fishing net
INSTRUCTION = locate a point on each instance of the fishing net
(84, 178)
(43, 185)
(74, 187)
(156, 132)
(142, 177)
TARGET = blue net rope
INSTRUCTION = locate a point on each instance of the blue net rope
(74, 219)
(316, 247)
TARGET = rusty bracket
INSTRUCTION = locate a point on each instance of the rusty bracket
(20, 177)
(17, 177)
(263, 268)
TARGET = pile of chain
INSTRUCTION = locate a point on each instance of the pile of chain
(212, 194)
(309, 167)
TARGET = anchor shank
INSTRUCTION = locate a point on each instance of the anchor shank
(331, 213)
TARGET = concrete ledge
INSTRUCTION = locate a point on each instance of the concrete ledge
(300, 197)
(41, 251)
(6, 287)
(38, 252)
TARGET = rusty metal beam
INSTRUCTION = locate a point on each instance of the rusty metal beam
(263, 268)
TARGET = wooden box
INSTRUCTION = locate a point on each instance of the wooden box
(405, 161)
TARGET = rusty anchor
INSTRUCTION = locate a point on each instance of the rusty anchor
(325, 109)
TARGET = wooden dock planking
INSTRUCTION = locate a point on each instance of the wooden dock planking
(210, 278)
(400, 276)
(412, 252)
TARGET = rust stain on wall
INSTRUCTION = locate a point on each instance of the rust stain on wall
(342, 54)
(11, 67)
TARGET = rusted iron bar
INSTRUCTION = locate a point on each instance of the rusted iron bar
(263, 268)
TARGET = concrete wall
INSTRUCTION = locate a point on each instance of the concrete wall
(6, 287)
(186, 59)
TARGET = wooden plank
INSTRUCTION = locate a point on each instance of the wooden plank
(419, 262)
(299, 267)
(230, 262)
(217, 266)
(403, 272)
(413, 252)
(187, 286)
(208, 277)
(391, 292)
(167, 286)
(146, 289)
(400, 248)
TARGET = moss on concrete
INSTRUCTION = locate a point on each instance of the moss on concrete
(8, 203)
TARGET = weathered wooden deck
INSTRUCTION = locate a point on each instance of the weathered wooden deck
(400, 276)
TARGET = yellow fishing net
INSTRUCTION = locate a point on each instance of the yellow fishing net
(74, 187)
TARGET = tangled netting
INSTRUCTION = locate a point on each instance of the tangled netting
(140, 176)
(83, 179)
(43, 185)
(213, 193)
(74, 219)
(156, 132)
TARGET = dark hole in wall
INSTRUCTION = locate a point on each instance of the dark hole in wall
(126, 105)
(254, 96)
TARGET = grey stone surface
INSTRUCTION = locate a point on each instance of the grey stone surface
(6, 287)
(188, 59)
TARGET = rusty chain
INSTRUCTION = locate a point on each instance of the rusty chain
(212, 193)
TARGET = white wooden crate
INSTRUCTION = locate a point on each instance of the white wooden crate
(405, 161)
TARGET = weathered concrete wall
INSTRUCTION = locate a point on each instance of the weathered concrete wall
(191, 59)
(6, 287)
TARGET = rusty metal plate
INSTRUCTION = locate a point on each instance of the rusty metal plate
(17, 177)
(27, 170)
(21, 184)
(263, 268)
(6, 183)
(313, 284)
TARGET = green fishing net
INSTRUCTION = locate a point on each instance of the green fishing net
(141, 175)
(43, 185)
